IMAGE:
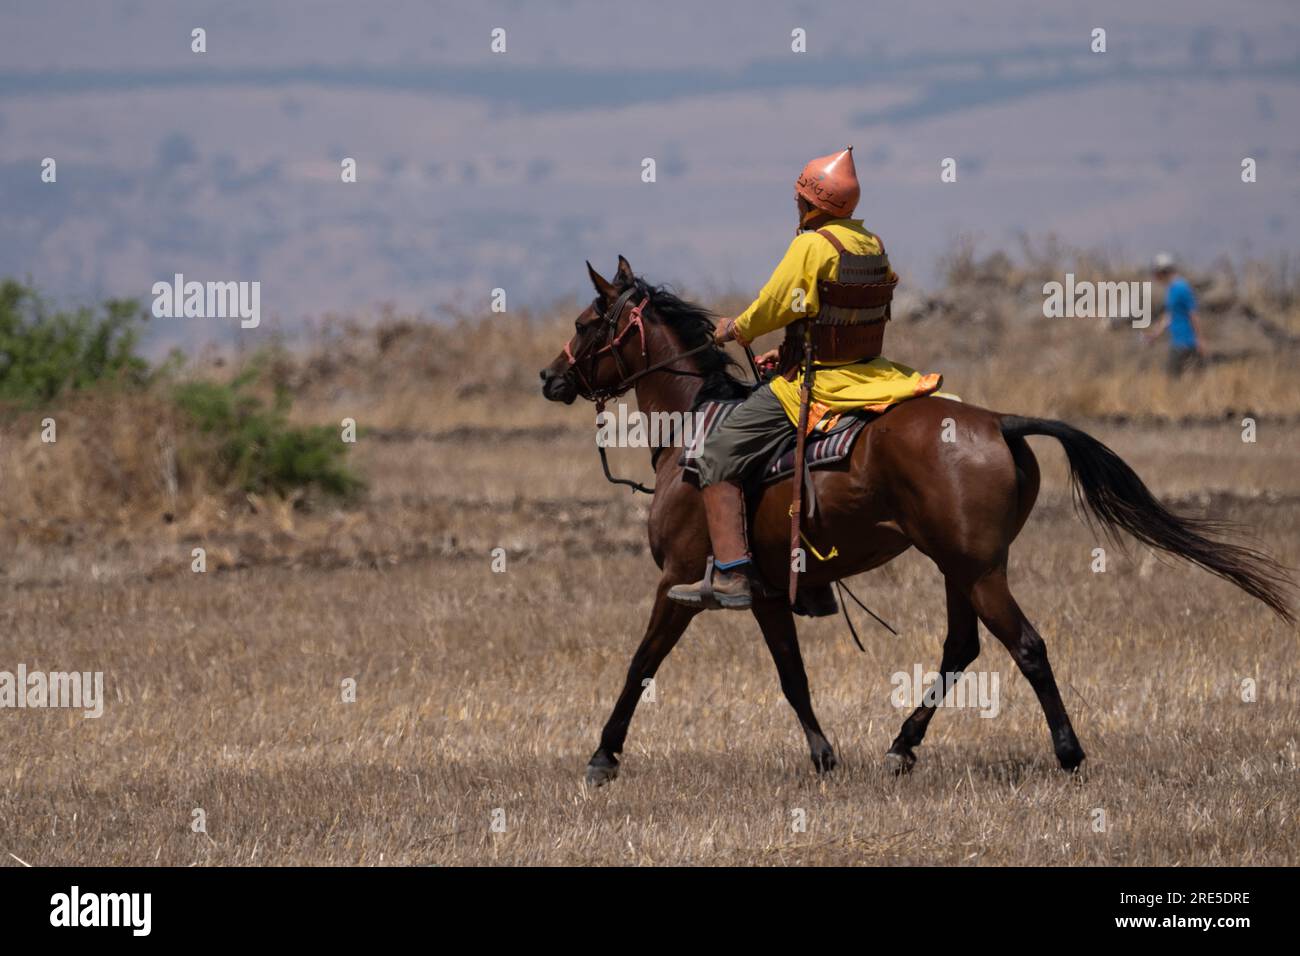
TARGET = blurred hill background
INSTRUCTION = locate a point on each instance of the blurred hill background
(481, 170)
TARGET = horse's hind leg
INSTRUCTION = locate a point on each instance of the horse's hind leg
(782, 639)
(1002, 616)
(960, 648)
(668, 621)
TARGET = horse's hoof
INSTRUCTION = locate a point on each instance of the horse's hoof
(1075, 766)
(825, 762)
(599, 774)
(900, 762)
(1071, 760)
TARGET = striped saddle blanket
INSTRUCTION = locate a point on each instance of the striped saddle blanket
(823, 447)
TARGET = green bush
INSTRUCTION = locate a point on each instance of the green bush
(240, 440)
(44, 352)
(256, 447)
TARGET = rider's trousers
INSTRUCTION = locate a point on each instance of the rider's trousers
(746, 440)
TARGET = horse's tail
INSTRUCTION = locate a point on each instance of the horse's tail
(1106, 488)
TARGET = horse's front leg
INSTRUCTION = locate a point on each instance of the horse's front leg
(668, 620)
(777, 623)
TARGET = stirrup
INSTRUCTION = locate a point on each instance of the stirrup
(707, 600)
(704, 597)
(700, 595)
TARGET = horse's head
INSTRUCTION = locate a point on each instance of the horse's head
(608, 346)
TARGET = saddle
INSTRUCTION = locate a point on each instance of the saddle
(824, 446)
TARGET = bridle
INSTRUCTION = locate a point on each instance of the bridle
(611, 342)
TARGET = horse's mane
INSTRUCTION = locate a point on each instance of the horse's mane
(694, 325)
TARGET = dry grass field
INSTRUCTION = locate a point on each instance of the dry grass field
(480, 692)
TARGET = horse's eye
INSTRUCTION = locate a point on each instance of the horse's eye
(577, 326)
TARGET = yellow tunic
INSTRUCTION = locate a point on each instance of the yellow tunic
(876, 384)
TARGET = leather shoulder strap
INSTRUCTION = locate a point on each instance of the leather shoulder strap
(830, 237)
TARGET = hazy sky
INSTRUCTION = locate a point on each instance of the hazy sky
(480, 170)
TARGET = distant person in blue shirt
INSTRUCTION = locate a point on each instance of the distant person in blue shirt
(1180, 318)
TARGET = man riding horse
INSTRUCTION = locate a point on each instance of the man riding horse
(960, 502)
(830, 291)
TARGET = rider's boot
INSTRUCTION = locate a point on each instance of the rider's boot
(726, 582)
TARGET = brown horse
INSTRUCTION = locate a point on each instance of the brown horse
(961, 502)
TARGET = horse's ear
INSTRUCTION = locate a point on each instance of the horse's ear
(603, 288)
(624, 277)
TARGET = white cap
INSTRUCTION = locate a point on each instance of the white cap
(1163, 262)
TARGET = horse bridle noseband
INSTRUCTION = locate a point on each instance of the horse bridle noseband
(611, 341)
